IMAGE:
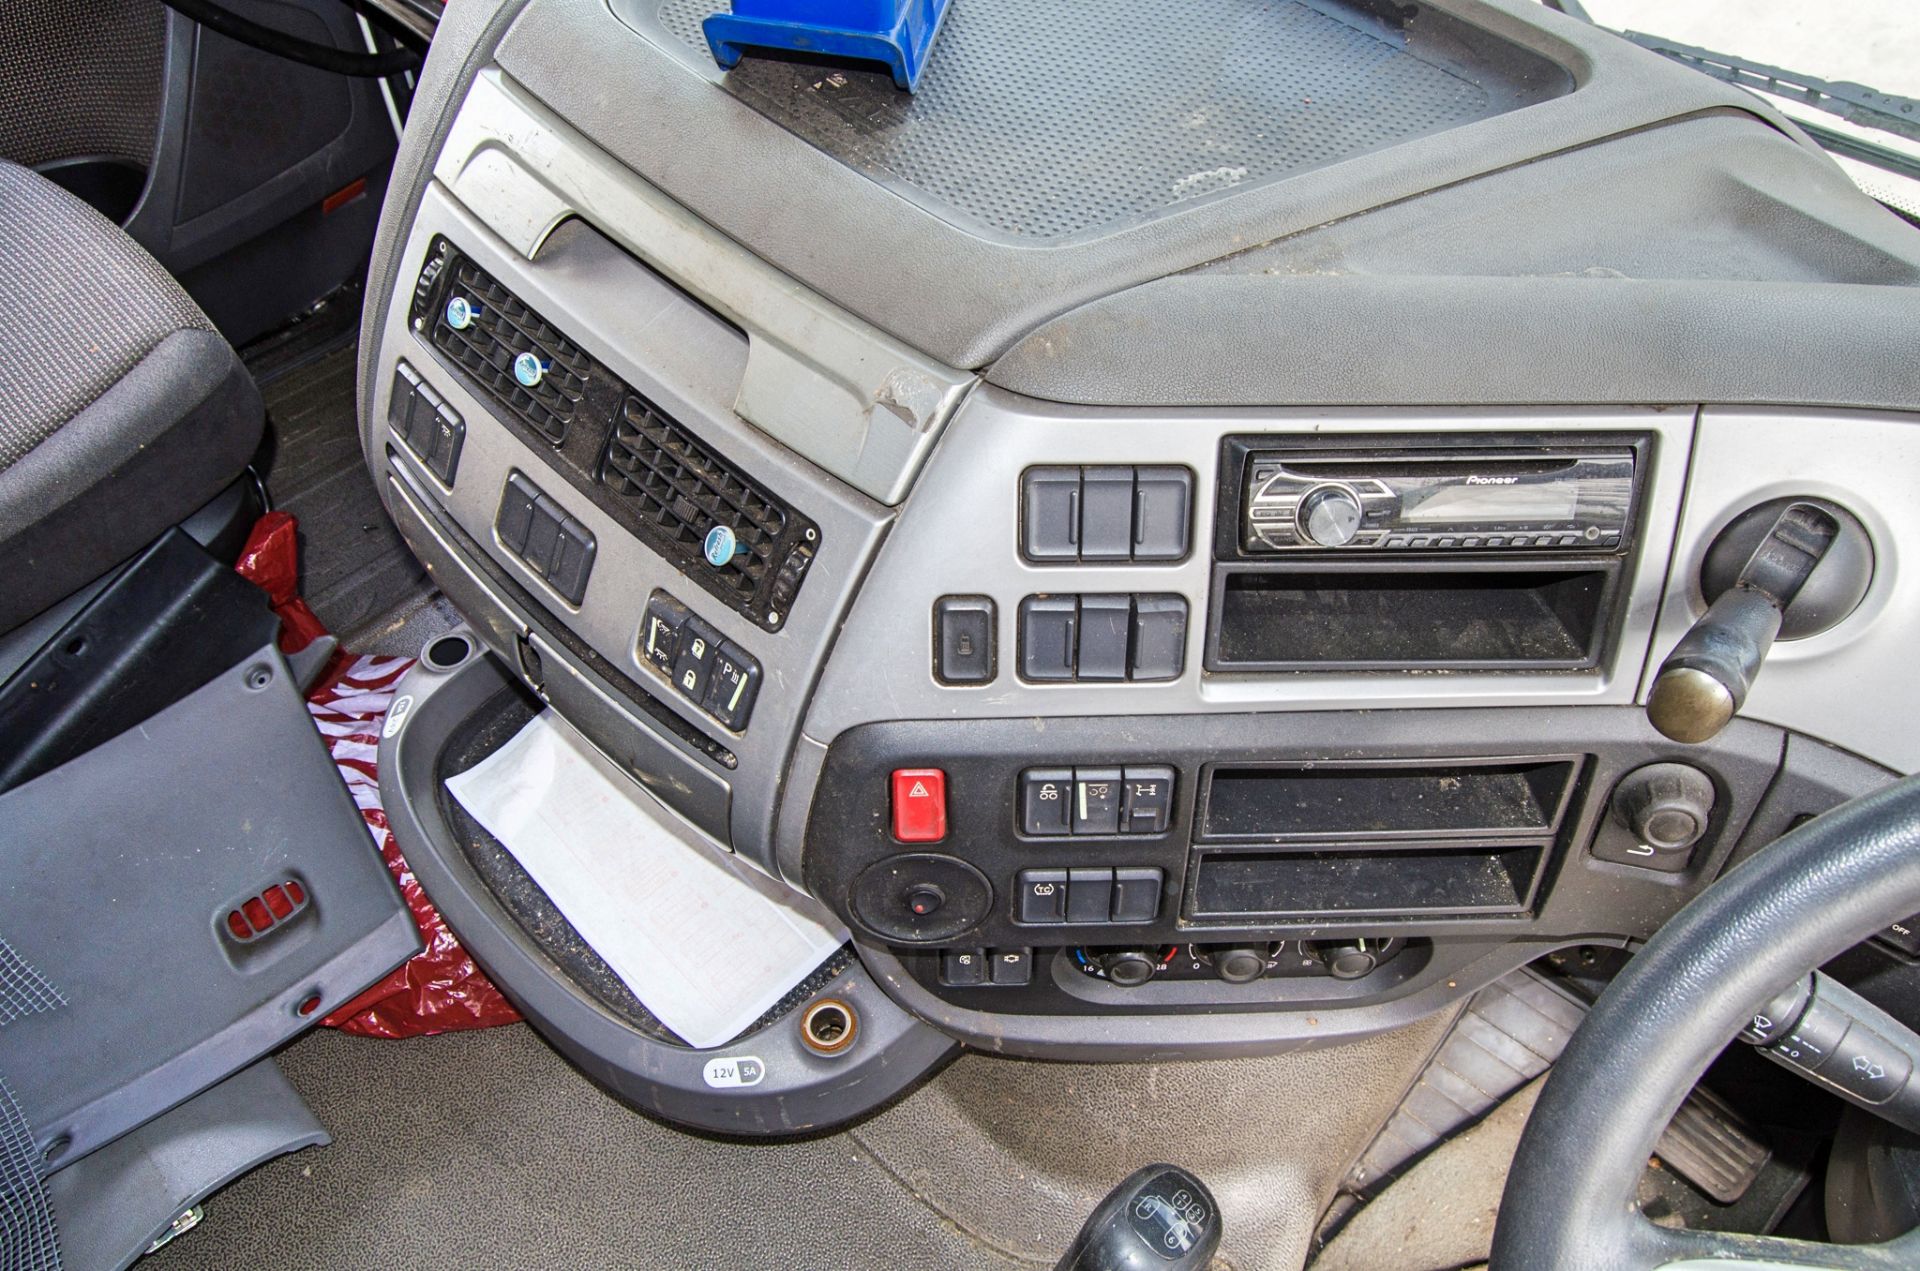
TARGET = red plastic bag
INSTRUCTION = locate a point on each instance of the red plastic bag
(439, 989)
(271, 562)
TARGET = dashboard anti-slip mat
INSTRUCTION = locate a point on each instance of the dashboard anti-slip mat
(1051, 121)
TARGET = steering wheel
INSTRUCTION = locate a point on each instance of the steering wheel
(1713, 970)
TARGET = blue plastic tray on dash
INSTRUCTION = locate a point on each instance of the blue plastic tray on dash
(899, 33)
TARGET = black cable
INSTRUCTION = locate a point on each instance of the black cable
(323, 56)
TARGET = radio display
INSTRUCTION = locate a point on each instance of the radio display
(1531, 502)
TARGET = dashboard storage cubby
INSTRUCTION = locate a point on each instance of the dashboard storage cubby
(1439, 615)
(1394, 801)
(1381, 840)
(1406, 879)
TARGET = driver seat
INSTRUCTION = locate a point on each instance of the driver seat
(122, 411)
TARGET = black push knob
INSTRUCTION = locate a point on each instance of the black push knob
(1239, 963)
(1329, 515)
(1160, 1218)
(1128, 967)
(1348, 959)
(1667, 806)
(924, 900)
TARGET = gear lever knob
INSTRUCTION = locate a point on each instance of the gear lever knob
(1160, 1218)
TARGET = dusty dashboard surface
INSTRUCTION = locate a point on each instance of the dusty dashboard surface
(1187, 586)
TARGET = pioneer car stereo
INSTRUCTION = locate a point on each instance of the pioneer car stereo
(1415, 500)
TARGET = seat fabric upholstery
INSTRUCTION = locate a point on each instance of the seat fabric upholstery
(121, 409)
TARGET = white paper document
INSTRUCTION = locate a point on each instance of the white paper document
(707, 943)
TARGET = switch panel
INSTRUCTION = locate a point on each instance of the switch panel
(1106, 514)
(423, 420)
(999, 968)
(1098, 638)
(707, 669)
(551, 544)
(1055, 802)
(1089, 897)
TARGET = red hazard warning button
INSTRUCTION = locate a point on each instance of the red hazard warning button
(919, 805)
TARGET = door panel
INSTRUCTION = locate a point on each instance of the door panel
(128, 879)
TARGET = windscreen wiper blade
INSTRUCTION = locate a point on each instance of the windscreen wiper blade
(1856, 103)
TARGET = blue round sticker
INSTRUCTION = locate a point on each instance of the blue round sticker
(460, 312)
(529, 370)
(721, 546)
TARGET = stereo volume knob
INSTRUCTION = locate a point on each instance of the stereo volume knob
(1329, 515)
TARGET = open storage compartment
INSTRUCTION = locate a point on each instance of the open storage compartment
(463, 713)
(1395, 838)
(1401, 800)
(1409, 880)
(1399, 616)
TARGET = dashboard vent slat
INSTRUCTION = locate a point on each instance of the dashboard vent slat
(684, 489)
(501, 329)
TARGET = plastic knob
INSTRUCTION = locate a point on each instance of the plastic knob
(1348, 959)
(1128, 967)
(530, 369)
(1330, 515)
(1667, 806)
(1239, 963)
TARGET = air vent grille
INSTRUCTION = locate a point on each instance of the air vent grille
(635, 461)
(683, 490)
(498, 330)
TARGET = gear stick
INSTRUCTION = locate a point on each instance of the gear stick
(1160, 1218)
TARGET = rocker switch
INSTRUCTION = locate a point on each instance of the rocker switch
(1046, 797)
(1050, 514)
(963, 639)
(1148, 793)
(1106, 514)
